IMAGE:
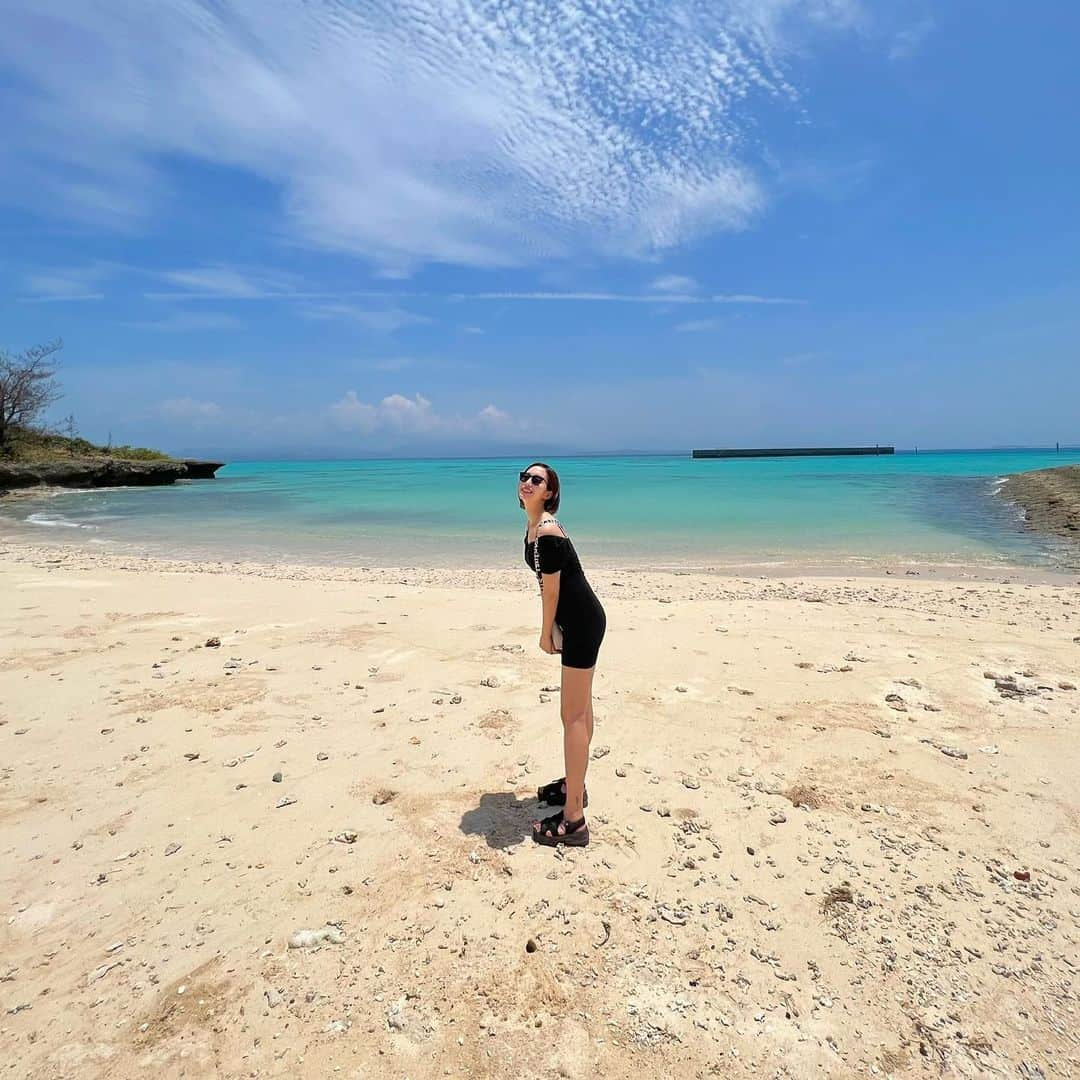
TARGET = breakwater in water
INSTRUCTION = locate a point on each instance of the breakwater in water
(797, 451)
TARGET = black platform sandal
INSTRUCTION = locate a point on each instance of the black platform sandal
(557, 830)
(554, 794)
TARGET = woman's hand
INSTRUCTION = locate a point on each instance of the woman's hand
(547, 644)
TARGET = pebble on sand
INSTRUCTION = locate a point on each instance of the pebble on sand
(307, 939)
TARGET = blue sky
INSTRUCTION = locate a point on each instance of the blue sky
(266, 228)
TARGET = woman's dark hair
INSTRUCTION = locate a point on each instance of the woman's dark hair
(551, 503)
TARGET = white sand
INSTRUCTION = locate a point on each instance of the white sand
(149, 898)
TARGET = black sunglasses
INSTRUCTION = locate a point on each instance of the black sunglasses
(532, 478)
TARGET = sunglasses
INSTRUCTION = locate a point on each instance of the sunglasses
(532, 478)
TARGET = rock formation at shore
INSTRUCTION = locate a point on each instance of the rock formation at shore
(103, 472)
(1050, 499)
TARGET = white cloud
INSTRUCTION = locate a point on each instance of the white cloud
(188, 409)
(492, 420)
(440, 130)
(395, 413)
(352, 414)
(398, 415)
(674, 283)
(410, 415)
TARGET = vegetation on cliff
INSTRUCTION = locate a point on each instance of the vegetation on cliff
(28, 387)
(51, 448)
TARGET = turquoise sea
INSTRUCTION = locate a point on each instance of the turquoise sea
(654, 510)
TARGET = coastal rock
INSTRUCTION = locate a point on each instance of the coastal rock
(1050, 499)
(201, 470)
(102, 472)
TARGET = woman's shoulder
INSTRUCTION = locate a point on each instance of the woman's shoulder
(550, 527)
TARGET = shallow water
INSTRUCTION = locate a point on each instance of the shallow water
(658, 510)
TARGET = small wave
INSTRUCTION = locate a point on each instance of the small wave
(51, 522)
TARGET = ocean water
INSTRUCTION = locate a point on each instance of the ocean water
(662, 511)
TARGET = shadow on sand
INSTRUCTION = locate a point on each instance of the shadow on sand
(502, 819)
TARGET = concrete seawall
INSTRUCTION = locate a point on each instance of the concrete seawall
(799, 451)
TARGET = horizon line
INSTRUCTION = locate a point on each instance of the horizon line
(507, 455)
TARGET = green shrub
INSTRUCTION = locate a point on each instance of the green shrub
(45, 447)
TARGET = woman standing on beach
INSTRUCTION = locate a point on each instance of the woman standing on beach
(573, 624)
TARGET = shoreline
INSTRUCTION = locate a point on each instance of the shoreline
(77, 547)
(984, 536)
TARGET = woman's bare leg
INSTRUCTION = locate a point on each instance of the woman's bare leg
(590, 736)
(577, 719)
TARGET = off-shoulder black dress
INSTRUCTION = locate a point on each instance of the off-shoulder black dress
(579, 613)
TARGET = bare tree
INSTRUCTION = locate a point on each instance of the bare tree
(27, 387)
(70, 430)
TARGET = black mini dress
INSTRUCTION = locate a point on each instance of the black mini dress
(579, 612)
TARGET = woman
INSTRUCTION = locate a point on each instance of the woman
(572, 612)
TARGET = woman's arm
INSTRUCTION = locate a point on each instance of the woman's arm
(551, 605)
(550, 594)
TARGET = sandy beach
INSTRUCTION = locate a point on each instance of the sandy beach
(836, 826)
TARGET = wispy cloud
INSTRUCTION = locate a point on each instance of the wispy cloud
(229, 283)
(412, 133)
(61, 298)
(381, 320)
(698, 326)
(185, 322)
(629, 298)
(191, 410)
(908, 41)
(72, 284)
(750, 298)
(674, 283)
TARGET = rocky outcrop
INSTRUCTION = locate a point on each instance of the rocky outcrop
(1050, 499)
(201, 470)
(102, 472)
